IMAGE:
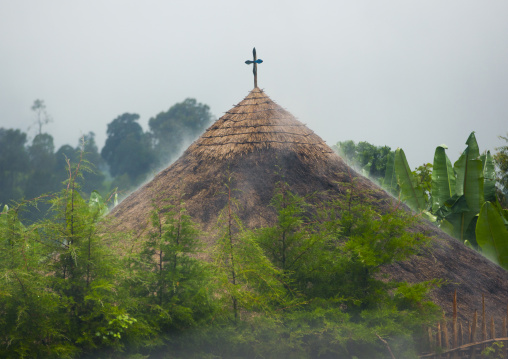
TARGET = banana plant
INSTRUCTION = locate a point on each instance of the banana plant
(97, 206)
(492, 234)
(463, 198)
(464, 187)
(443, 179)
(469, 171)
(411, 192)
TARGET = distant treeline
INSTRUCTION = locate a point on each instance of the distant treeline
(31, 169)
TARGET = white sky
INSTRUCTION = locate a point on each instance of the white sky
(409, 74)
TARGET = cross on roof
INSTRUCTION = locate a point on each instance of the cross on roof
(255, 69)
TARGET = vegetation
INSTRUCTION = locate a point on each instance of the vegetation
(308, 286)
(29, 169)
(462, 199)
(501, 161)
(370, 159)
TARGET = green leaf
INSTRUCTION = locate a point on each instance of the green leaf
(429, 216)
(390, 180)
(492, 235)
(3, 216)
(469, 183)
(461, 165)
(97, 205)
(412, 194)
(443, 179)
(489, 178)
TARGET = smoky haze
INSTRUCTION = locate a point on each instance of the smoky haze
(404, 74)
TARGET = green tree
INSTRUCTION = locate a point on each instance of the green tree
(183, 121)
(42, 178)
(84, 270)
(58, 295)
(128, 149)
(370, 158)
(93, 176)
(92, 164)
(42, 116)
(30, 325)
(423, 176)
(171, 285)
(14, 165)
(247, 279)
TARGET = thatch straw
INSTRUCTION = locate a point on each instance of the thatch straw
(257, 123)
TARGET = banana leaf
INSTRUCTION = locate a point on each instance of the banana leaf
(502, 211)
(411, 193)
(443, 178)
(451, 216)
(492, 235)
(461, 166)
(97, 205)
(469, 183)
(453, 205)
(489, 178)
(390, 181)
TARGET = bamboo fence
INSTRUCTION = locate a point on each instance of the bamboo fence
(468, 340)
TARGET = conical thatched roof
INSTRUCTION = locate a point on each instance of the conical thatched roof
(257, 143)
(255, 124)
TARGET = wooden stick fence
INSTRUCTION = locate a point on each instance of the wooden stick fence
(463, 345)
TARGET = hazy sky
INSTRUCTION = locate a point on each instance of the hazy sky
(409, 74)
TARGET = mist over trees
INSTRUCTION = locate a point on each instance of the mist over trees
(29, 169)
(170, 130)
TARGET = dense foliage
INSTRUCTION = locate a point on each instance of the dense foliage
(29, 169)
(308, 286)
(462, 199)
(370, 159)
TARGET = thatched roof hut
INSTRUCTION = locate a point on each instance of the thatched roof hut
(257, 143)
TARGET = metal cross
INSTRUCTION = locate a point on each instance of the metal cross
(255, 69)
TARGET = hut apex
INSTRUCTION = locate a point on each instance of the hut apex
(255, 69)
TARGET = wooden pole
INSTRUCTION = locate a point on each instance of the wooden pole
(473, 327)
(431, 340)
(484, 320)
(461, 335)
(438, 335)
(504, 336)
(454, 322)
(445, 332)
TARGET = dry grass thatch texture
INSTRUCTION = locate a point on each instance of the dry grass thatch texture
(257, 123)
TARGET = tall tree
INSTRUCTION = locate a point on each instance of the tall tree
(127, 149)
(42, 117)
(14, 164)
(93, 174)
(183, 121)
(42, 164)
